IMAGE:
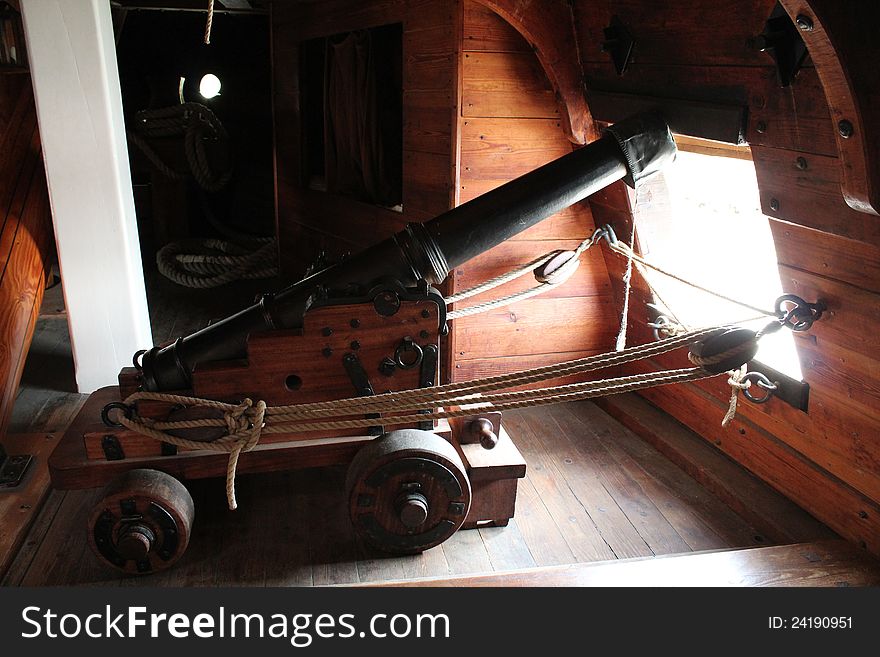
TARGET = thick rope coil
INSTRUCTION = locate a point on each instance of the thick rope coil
(197, 124)
(209, 263)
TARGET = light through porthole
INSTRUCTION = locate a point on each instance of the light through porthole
(701, 219)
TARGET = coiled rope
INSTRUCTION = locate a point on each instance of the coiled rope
(198, 126)
(211, 262)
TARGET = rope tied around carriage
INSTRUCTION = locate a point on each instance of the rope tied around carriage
(246, 422)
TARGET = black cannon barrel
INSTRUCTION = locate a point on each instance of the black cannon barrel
(631, 149)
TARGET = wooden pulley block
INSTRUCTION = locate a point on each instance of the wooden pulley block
(142, 523)
(408, 491)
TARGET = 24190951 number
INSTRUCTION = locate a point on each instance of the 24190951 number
(810, 623)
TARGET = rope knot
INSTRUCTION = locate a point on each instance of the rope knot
(737, 381)
(238, 418)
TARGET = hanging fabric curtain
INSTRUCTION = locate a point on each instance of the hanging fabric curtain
(358, 143)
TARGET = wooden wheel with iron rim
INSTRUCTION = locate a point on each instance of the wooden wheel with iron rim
(408, 491)
(142, 523)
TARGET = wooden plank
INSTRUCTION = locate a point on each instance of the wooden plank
(506, 85)
(846, 511)
(701, 519)
(774, 516)
(657, 532)
(427, 182)
(20, 562)
(672, 31)
(25, 244)
(562, 462)
(506, 547)
(467, 370)
(486, 31)
(535, 521)
(835, 42)
(308, 20)
(465, 552)
(425, 127)
(810, 197)
(852, 313)
(794, 118)
(535, 326)
(832, 435)
(832, 256)
(64, 554)
(508, 148)
(332, 547)
(19, 506)
(832, 564)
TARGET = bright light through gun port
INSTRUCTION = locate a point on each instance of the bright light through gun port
(209, 87)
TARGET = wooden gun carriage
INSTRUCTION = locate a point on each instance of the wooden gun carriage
(368, 325)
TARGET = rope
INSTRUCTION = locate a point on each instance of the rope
(245, 423)
(499, 280)
(208, 263)
(209, 23)
(620, 345)
(628, 252)
(736, 384)
(198, 125)
(201, 263)
(503, 301)
(546, 282)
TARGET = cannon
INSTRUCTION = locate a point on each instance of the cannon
(367, 325)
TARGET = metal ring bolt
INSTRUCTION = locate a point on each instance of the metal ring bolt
(764, 383)
(105, 413)
(408, 346)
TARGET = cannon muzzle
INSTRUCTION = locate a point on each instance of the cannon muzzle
(631, 150)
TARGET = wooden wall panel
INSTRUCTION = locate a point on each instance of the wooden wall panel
(309, 222)
(506, 85)
(849, 261)
(714, 33)
(510, 125)
(25, 234)
(810, 197)
(486, 33)
(827, 458)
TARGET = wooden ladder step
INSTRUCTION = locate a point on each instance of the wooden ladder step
(821, 563)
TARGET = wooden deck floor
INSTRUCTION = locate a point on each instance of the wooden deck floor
(594, 492)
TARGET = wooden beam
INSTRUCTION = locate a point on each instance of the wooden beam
(549, 28)
(827, 563)
(79, 108)
(836, 34)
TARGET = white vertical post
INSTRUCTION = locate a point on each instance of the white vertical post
(79, 108)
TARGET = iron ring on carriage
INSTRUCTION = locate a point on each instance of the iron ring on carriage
(119, 406)
(763, 382)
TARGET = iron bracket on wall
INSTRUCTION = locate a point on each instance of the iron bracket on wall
(618, 43)
(793, 392)
(13, 468)
(781, 40)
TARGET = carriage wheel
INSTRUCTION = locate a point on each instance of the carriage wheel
(142, 523)
(408, 491)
